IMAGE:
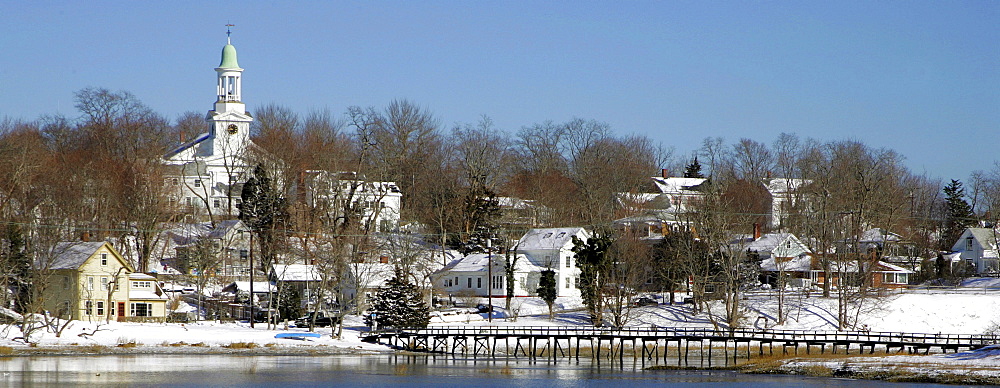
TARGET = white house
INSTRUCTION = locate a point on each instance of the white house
(553, 248)
(470, 274)
(784, 195)
(376, 203)
(977, 247)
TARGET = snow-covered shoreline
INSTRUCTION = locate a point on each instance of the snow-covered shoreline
(914, 311)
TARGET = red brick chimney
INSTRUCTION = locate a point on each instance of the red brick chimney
(664, 173)
(756, 231)
(85, 236)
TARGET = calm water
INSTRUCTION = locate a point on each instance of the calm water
(368, 371)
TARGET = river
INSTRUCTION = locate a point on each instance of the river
(356, 371)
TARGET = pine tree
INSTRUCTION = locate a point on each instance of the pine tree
(547, 289)
(398, 305)
(20, 267)
(482, 209)
(263, 211)
(693, 170)
(958, 214)
(592, 259)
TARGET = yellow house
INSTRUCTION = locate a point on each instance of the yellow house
(90, 281)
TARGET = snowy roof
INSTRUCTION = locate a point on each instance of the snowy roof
(550, 238)
(145, 295)
(258, 287)
(784, 185)
(649, 216)
(296, 273)
(887, 267)
(371, 275)
(795, 264)
(71, 255)
(767, 242)
(477, 263)
(185, 234)
(879, 235)
(140, 276)
(676, 185)
(515, 203)
(986, 237)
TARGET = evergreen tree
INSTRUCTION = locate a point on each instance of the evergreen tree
(958, 214)
(592, 259)
(20, 267)
(398, 305)
(547, 289)
(264, 212)
(693, 170)
(482, 210)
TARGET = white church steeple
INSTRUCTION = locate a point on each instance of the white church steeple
(230, 122)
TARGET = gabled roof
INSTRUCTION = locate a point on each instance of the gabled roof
(784, 185)
(986, 237)
(73, 254)
(550, 238)
(676, 185)
(477, 262)
(768, 242)
(795, 264)
(296, 273)
(879, 235)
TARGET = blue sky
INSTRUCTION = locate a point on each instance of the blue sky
(921, 77)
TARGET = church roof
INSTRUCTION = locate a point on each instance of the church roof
(229, 57)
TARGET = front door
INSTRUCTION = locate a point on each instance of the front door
(121, 310)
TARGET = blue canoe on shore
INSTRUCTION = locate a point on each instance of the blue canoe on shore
(298, 336)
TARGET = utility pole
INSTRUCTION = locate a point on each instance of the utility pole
(489, 283)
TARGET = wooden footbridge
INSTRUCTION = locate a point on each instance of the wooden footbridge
(649, 343)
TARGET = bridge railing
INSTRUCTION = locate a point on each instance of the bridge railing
(654, 332)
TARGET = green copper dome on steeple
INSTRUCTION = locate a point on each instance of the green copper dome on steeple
(229, 57)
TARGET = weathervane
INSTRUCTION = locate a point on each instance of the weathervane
(228, 31)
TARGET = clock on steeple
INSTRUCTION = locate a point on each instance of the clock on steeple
(232, 129)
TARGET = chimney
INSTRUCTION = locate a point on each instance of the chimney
(664, 173)
(85, 236)
(756, 231)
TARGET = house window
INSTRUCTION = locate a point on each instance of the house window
(141, 310)
(100, 308)
(968, 244)
(188, 201)
(104, 283)
(569, 262)
(88, 307)
(456, 280)
(568, 279)
(479, 282)
(65, 282)
(576, 282)
(216, 203)
(197, 183)
(470, 283)
(90, 283)
(142, 284)
(175, 181)
(104, 259)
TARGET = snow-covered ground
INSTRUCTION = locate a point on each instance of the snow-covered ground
(916, 311)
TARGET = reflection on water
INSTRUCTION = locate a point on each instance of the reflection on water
(366, 371)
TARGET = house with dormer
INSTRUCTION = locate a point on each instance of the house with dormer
(91, 281)
(977, 249)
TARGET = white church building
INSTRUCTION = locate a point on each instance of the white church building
(208, 172)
